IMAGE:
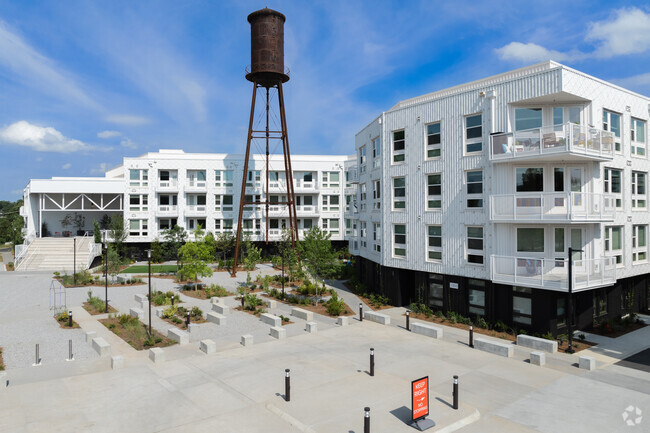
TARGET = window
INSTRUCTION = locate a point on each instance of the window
(331, 226)
(612, 184)
(563, 115)
(251, 226)
(399, 240)
(600, 303)
(348, 227)
(363, 195)
(222, 225)
(614, 243)
(196, 178)
(251, 203)
(362, 159)
(167, 223)
(639, 243)
(522, 306)
(138, 202)
(474, 133)
(530, 179)
(434, 243)
(475, 245)
(168, 178)
(638, 190)
(330, 203)
(223, 203)
(331, 179)
(434, 191)
(476, 289)
(138, 227)
(138, 177)
(612, 122)
(167, 202)
(253, 179)
(637, 136)
(306, 223)
(349, 203)
(398, 146)
(194, 223)
(376, 152)
(399, 193)
(528, 118)
(363, 234)
(474, 181)
(223, 178)
(196, 202)
(376, 237)
(560, 311)
(530, 240)
(433, 140)
(376, 194)
(436, 290)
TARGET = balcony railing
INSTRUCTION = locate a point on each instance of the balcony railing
(569, 138)
(303, 184)
(167, 208)
(559, 206)
(195, 184)
(553, 274)
(170, 184)
(196, 208)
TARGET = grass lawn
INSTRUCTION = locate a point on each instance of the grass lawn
(139, 269)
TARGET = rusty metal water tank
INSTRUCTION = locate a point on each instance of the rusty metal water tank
(267, 48)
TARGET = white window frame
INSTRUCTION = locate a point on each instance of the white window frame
(467, 142)
(223, 178)
(609, 251)
(328, 226)
(399, 247)
(328, 204)
(639, 244)
(376, 152)
(253, 179)
(141, 180)
(639, 194)
(219, 204)
(376, 194)
(433, 150)
(376, 237)
(434, 201)
(399, 199)
(142, 228)
(607, 185)
(327, 179)
(362, 196)
(474, 196)
(399, 155)
(362, 159)
(475, 251)
(434, 243)
(254, 226)
(252, 198)
(607, 123)
(638, 147)
(142, 205)
(363, 233)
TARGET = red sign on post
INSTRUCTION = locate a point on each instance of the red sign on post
(420, 398)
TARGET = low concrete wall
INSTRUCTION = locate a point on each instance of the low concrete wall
(538, 358)
(208, 346)
(428, 330)
(157, 355)
(271, 303)
(342, 321)
(181, 337)
(376, 317)
(117, 362)
(587, 362)
(246, 340)
(311, 327)
(221, 309)
(302, 314)
(90, 335)
(216, 318)
(270, 319)
(136, 312)
(537, 343)
(278, 332)
(101, 346)
(501, 349)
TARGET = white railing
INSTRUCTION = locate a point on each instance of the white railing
(299, 183)
(168, 208)
(306, 209)
(94, 250)
(559, 206)
(549, 140)
(193, 183)
(26, 258)
(553, 274)
(172, 183)
(197, 208)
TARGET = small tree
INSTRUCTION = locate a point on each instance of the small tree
(157, 253)
(97, 232)
(288, 254)
(105, 222)
(253, 257)
(174, 238)
(114, 261)
(317, 253)
(118, 233)
(195, 257)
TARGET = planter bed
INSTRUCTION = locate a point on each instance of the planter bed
(134, 332)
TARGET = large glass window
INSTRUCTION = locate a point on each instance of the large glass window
(433, 140)
(522, 308)
(475, 245)
(476, 289)
(600, 303)
(399, 193)
(399, 240)
(363, 233)
(223, 203)
(637, 136)
(363, 193)
(639, 190)
(639, 243)
(474, 183)
(138, 177)
(528, 118)
(376, 194)
(330, 203)
(614, 243)
(331, 179)
(399, 146)
(474, 133)
(530, 239)
(530, 179)
(362, 159)
(612, 122)
(612, 184)
(223, 178)
(436, 290)
(138, 227)
(376, 152)
(434, 191)
(138, 202)
(376, 237)
(434, 244)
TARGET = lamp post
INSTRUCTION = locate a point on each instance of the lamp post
(14, 242)
(149, 260)
(105, 247)
(570, 319)
(282, 258)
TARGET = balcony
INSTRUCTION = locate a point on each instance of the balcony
(553, 274)
(569, 141)
(167, 209)
(300, 184)
(195, 185)
(168, 185)
(553, 207)
(195, 209)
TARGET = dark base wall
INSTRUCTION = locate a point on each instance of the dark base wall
(401, 287)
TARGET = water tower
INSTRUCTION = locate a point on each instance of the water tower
(267, 73)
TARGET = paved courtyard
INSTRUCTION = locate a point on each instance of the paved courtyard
(241, 389)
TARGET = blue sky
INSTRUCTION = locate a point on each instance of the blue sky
(85, 83)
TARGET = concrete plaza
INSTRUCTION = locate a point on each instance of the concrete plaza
(241, 389)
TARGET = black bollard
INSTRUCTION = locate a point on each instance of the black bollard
(471, 336)
(366, 420)
(70, 319)
(287, 385)
(372, 361)
(70, 350)
(360, 312)
(187, 320)
(172, 300)
(455, 392)
(408, 325)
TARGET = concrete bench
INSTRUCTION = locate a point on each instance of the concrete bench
(216, 318)
(302, 314)
(181, 337)
(208, 346)
(428, 330)
(587, 362)
(311, 327)
(141, 298)
(270, 319)
(278, 332)
(216, 300)
(101, 346)
(136, 312)
(342, 321)
(193, 328)
(90, 335)
(537, 343)
(220, 308)
(376, 317)
(538, 358)
(246, 340)
(270, 303)
(159, 312)
(501, 349)
(117, 362)
(156, 355)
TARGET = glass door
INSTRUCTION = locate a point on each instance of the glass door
(577, 179)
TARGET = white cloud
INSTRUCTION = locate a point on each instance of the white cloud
(127, 119)
(66, 166)
(126, 142)
(633, 81)
(100, 169)
(108, 134)
(529, 53)
(34, 69)
(43, 139)
(627, 32)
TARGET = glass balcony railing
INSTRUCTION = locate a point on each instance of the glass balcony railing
(569, 138)
(554, 207)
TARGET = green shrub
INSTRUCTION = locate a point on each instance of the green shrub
(499, 326)
(335, 306)
(161, 298)
(582, 337)
(251, 301)
(170, 312)
(196, 312)
(216, 290)
(482, 323)
(176, 320)
(548, 336)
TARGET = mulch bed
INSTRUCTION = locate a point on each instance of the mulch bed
(137, 344)
(98, 284)
(367, 300)
(617, 333)
(257, 313)
(317, 308)
(578, 345)
(64, 324)
(182, 324)
(94, 311)
(200, 294)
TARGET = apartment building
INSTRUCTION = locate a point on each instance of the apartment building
(469, 199)
(161, 189)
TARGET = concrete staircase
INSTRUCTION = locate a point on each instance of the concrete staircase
(57, 254)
